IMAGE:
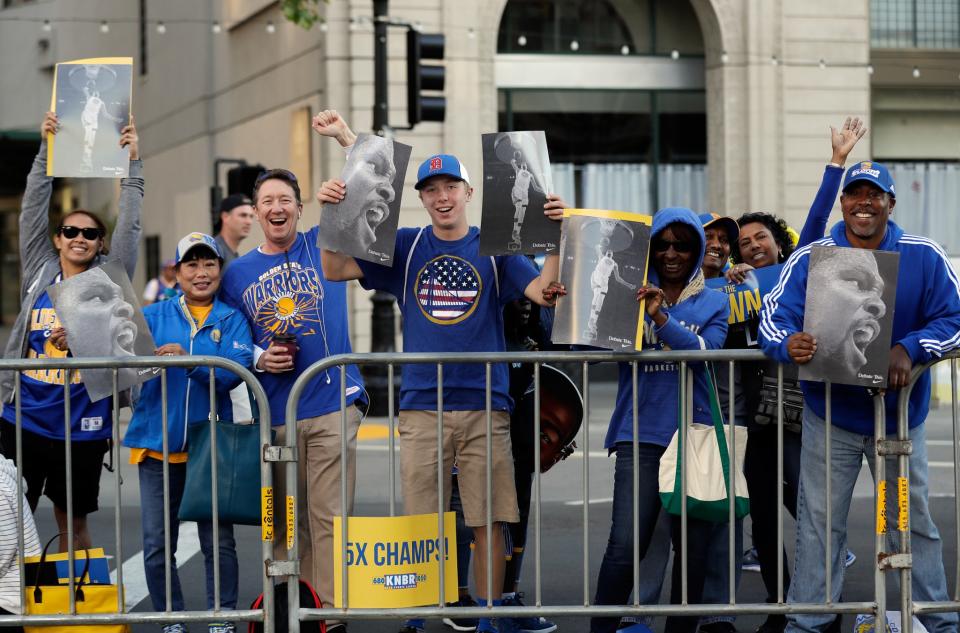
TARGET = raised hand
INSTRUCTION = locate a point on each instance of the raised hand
(130, 140)
(843, 140)
(332, 191)
(654, 299)
(330, 123)
(50, 125)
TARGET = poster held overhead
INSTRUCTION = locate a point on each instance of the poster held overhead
(102, 317)
(516, 181)
(603, 261)
(364, 224)
(91, 98)
(851, 294)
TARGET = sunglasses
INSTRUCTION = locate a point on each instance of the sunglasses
(283, 174)
(71, 232)
(662, 246)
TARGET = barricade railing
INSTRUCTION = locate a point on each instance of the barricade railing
(902, 560)
(883, 560)
(162, 364)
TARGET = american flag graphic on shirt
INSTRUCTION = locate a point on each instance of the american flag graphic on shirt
(448, 289)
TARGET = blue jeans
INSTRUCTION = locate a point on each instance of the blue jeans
(151, 518)
(615, 581)
(653, 568)
(847, 451)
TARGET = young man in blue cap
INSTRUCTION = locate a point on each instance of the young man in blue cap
(451, 300)
(926, 325)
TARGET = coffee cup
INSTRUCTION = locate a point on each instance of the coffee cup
(288, 342)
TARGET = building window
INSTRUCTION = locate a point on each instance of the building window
(915, 23)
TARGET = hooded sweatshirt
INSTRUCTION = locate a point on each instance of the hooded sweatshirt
(697, 321)
(926, 322)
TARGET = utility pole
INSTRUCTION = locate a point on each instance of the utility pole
(382, 320)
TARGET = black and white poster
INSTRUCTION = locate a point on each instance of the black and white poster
(101, 315)
(92, 100)
(603, 262)
(516, 181)
(364, 224)
(851, 294)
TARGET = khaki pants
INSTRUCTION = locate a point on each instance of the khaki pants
(464, 437)
(318, 494)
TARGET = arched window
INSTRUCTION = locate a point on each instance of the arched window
(563, 26)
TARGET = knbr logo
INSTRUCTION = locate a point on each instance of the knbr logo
(399, 581)
(436, 163)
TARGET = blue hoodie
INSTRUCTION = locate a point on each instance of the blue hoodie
(926, 322)
(225, 333)
(698, 322)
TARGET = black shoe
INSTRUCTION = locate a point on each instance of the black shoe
(339, 627)
(775, 623)
(462, 624)
(718, 627)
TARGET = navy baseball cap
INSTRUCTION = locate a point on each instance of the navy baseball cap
(441, 165)
(870, 172)
(715, 219)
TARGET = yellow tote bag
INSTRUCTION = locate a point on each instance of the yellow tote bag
(55, 600)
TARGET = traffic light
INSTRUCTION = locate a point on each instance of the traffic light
(241, 179)
(422, 77)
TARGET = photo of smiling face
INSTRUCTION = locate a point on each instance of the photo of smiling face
(847, 312)
(360, 223)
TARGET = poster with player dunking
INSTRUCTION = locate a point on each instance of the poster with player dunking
(851, 293)
(92, 100)
(516, 181)
(603, 261)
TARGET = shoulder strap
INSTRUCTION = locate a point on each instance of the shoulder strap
(406, 269)
(496, 275)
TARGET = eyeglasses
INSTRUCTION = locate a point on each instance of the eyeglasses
(275, 173)
(662, 246)
(71, 232)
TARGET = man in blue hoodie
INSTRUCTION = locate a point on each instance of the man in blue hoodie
(926, 325)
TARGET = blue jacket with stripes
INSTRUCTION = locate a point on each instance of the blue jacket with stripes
(926, 323)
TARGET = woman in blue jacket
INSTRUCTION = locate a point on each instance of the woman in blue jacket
(195, 323)
(680, 314)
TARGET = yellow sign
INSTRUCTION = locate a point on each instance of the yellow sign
(903, 504)
(882, 506)
(291, 520)
(395, 561)
(266, 511)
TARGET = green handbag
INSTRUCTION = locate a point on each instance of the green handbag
(238, 473)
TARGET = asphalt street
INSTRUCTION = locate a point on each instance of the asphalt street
(562, 512)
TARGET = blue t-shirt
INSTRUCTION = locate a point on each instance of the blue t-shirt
(41, 399)
(287, 294)
(451, 300)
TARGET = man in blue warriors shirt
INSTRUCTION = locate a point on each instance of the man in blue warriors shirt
(451, 299)
(280, 288)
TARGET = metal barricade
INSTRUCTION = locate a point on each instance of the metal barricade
(69, 365)
(684, 359)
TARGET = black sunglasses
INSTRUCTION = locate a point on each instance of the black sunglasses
(274, 173)
(71, 232)
(662, 246)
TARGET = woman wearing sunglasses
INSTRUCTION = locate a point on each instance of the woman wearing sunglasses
(681, 314)
(78, 245)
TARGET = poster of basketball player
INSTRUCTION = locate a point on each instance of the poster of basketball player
(102, 317)
(603, 261)
(851, 293)
(92, 100)
(516, 181)
(364, 224)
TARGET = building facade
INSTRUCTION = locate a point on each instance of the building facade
(721, 105)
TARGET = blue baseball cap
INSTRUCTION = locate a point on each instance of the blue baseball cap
(870, 172)
(195, 240)
(441, 165)
(715, 219)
